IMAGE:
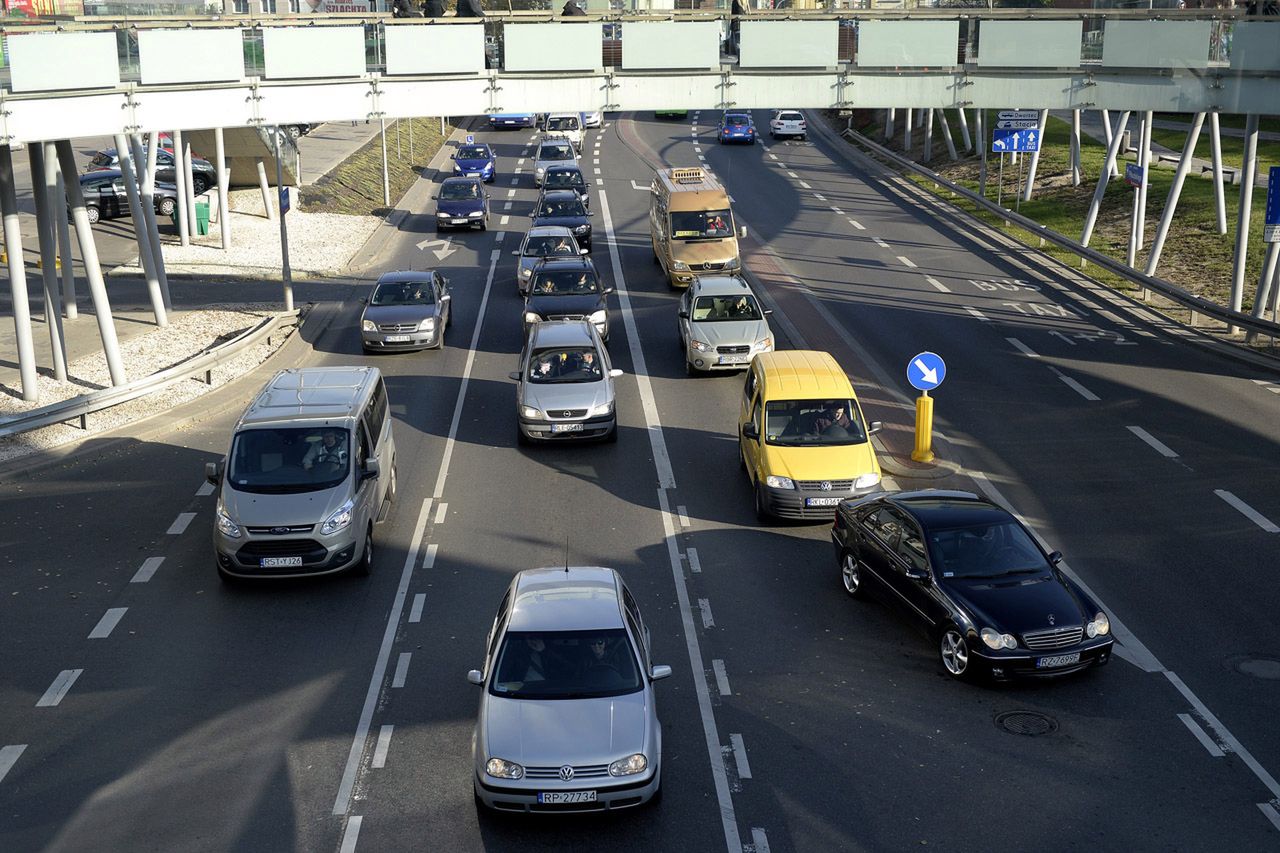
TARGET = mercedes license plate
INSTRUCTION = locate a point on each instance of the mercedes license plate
(398, 339)
(1058, 660)
(821, 501)
(566, 427)
(733, 359)
(279, 562)
(566, 796)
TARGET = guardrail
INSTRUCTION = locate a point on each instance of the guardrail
(86, 404)
(1197, 304)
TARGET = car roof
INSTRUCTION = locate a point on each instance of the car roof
(562, 333)
(803, 374)
(565, 167)
(319, 393)
(555, 262)
(404, 275)
(554, 139)
(577, 599)
(737, 115)
(99, 174)
(937, 509)
(548, 231)
(721, 285)
(557, 195)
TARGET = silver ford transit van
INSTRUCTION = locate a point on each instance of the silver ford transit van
(311, 462)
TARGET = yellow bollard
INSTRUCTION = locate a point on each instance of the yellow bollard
(924, 428)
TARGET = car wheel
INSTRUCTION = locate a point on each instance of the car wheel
(199, 185)
(762, 509)
(294, 131)
(850, 574)
(167, 206)
(93, 213)
(365, 567)
(953, 650)
(393, 488)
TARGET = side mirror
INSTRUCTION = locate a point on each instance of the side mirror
(918, 574)
(515, 374)
(213, 473)
(434, 196)
(682, 314)
(1055, 558)
(475, 677)
(445, 297)
(749, 431)
(874, 427)
(515, 251)
(364, 300)
(607, 290)
(659, 672)
(742, 232)
(768, 312)
(616, 372)
(371, 470)
(582, 252)
(591, 213)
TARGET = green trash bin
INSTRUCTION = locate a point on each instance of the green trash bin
(202, 218)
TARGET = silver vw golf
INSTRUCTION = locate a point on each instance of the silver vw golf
(567, 720)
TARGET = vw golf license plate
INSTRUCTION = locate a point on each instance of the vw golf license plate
(821, 501)
(567, 796)
(566, 427)
(1058, 660)
(279, 562)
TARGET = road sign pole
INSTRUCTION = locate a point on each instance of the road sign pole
(1000, 182)
(1017, 196)
(1133, 231)
(923, 451)
(981, 127)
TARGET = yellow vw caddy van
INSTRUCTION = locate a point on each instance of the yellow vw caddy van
(691, 225)
(802, 437)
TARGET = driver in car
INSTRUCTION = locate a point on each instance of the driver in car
(326, 450)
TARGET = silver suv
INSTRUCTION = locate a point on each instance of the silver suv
(721, 324)
(567, 719)
(565, 388)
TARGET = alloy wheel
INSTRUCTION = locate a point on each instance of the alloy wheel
(850, 574)
(955, 653)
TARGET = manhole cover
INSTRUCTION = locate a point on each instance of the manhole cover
(1027, 723)
(1268, 668)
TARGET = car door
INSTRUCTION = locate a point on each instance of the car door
(909, 574)
(752, 446)
(684, 315)
(876, 532)
(367, 491)
(443, 300)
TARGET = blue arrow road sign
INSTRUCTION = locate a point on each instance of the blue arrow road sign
(926, 371)
(1008, 139)
(1271, 228)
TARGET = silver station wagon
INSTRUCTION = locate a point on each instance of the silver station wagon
(722, 326)
(567, 719)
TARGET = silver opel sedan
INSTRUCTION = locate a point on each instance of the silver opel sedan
(407, 310)
(566, 386)
(567, 719)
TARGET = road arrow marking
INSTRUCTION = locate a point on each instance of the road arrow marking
(930, 374)
(440, 254)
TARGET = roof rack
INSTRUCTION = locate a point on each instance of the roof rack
(688, 176)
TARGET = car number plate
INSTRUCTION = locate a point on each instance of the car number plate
(460, 221)
(822, 501)
(473, 174)
(566, 427)
(279, 562)
(733, 359)
(566, 796)
(1058, 660)
(398, 339)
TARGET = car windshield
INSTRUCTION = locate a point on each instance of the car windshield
(287, 460)
(103, 159)
(701, 224)
(403, 293)
(713, 309)
(565, 364)
(473, 152)
(795, 423)
(561, 207)
(562, 123)
(461, 191)
(565, 665)
(736, 121)
(544, 245)
(558, 151)
(565, 283)
(565, 178)
(985, 551)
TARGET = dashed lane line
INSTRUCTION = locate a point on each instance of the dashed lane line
(1247, 511)
(803, 185)
(441, 511)
(740, 756)
(206, 489)
(511, 193)
(707, 620)
(820, 196)
(59, 688)
(906, 261)
(793, 175)
(695, 565)
(1158, 445)
(1269, 810)
(505, 220)
(939, 286)
(147, 569)
(1023, 348)
(880, 242)
(429, 559)
(856, 224)
(402, 669)
(759, 840)
(975, 312)
(1205, 741)
(1076, 386)
(684, 515)
(107, 623)
(9, 756)
(722, 677)
(351, 834)
(419, 601)
(837, 211)
(498, 237)
(383, 745)
(180, 523)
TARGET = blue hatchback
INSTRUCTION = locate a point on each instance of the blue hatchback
(475, 161)
(737, 127)
(462, 203)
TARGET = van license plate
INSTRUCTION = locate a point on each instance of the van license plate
(822, 501)
(566, 796)
(1058, 660)
(279, 562)
(566, 427)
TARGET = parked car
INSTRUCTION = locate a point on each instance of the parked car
(552, 151)
(788, 123)
(567, 289)
(592, 119)
(565, 207)
(722, 326)
(737, 127)
(203, 173)
(407, 310)
(565, 388)
(967, 571)
(543, 241)
(105, 196)
(568, 718)
(462, 203)
(475, 161)
(567, 177)
(508, 121)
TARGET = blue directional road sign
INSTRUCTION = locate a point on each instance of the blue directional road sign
(284, 200)
(1009, 139)
(1271, 226)
(926, 371)
(1133, 174)
(471, 138)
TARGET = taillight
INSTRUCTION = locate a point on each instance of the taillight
(802, 125)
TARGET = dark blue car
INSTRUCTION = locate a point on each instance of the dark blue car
(462, 203)
(737, 127)
(475, 161)
(504, 120)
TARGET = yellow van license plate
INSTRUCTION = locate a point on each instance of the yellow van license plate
(821, 501)
(279, 562)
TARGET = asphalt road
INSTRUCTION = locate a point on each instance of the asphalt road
(289, 717)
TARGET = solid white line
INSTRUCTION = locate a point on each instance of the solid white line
(1024, 349)
(380, 751)
(1247, 511)
(740, 756)
(505, 220)
(59, 688)
(351, 834)
(205, 489)
(9, 756)
(942, 288)
(441, 511)
(1272, 815)
(695, 565)
(906, 261)
(402, 669)
(180, 523)
(975, 312)
(429, 561)
(343, 800)
(415, 614)
(684, 515)
(759, 840)
(147, 569)
(705, 606)
(819, 196)
(107, 623)
(803, 185)
(1211, 747)
(1225, 737)
(1160, 447)
(722, 677)
(1078, 388)
(856, 224)
(881, 243)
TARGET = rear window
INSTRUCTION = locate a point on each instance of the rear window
(791, 116)
(557, 151)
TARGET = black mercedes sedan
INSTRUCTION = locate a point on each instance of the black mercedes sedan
(567, 289)
(993, 602)
(565, 207)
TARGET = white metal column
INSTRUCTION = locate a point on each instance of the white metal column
(224, 209)
(58, 211)
(1247, 175)
(1219, 193)
(43, 185)
(1112, 150)
(180, 181)
(1035, 158)
(1175, 191)
(143, 239)
(18, 278)
(145, 162)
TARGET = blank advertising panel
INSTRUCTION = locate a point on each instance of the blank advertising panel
(1156, 44)
(435, 49)
(789, 44)
(908, 44)
(1255, 46)
(668, 44)
(42, 62)
(553, 47)
(191, 56)
(1030, 44)
(294, 53)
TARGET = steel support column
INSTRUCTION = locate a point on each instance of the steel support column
(1219, 193)
(192, 220)
(43, 185)
(224, 209)
(889, 115)
(1112, 150)
(386, 179)
(1175, 191)
(1075, 148)
(928, 136)
(981, 127)
(143, 239)
(1265, 282)
(964, 131)
(946, 135)
(1108, 131)
(266, 190)
(1144, 162)
(1035, 158)
(146, 187)
(58, 210)
(286, 274)
(180, 182)
(1247, 175)
(906, 132)
(18, 278)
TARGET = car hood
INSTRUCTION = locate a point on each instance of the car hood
(398, 313)
(566, 221)
(725, 333)
(258, 510)
(585, 304)
(841, 462)
(552, 733)
(473, 165)
(544, 164)
(1019, 603)
(459, 207)
(705, 251)
(555, 396)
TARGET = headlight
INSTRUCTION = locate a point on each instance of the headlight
(779, 482)
(699, 345)
(473, 214)
(629, 766)
(427, 325)
(1099, 627)
(599, 317)
(457, 167)
(680, 266)
(339, 520)
(525, 273)
(601, 410)
(733, 263)
(540, 171)
(500, 768)
(531, 317)
(226, 526)
(581, 229)
(866, 481)
(996, 640)
(440, 214)
(529, 413)
(765, 345)
(368, 325)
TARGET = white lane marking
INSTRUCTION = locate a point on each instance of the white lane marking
(1247, 511)
(1025, 350)
(1058, 334)
(180, 523)
(728, 817)
(1159, 446)
(429, 561)
(881, 243)
(740, 756)
(661, 459)
(596, 169)
(1225, 737)
(505, 220)
(520, 162)
(441, 511)
(1267, 809)
(636, 186)
(415, 614)
(206, 489)
(975, 312)
(600, 182)
(351, 834)
(819, 196)
(515, 181)
(384, 744)
(792, 175)
(1270, 386)
(705, 606)
(147, 569)
(107, 623)
(684, 515)
(1076, 386)
(697, 149)
(507, 206)
(1205, 741)
(803, 185)
(595, 161)
(695, 565)
(722, 677)
(773, 156)
(343, 800)
(837, 210)
(518, 170)
(497, 238)
(511, 193)
(907, 261)
(9, 756)
(942, 288)
(402, 669)
(856, 224)
(59, 688)
(759, 840)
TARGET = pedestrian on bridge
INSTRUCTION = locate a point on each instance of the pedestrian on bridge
(404, 9)
(433, 8)
(470, 9)
(572, 8)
